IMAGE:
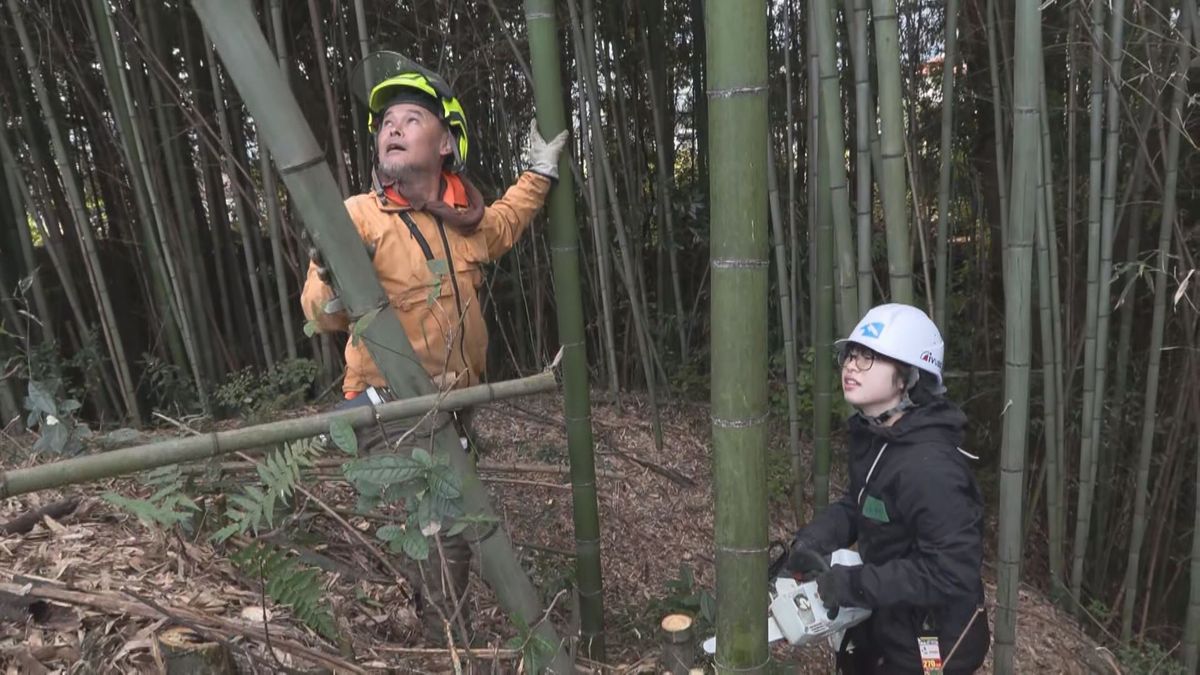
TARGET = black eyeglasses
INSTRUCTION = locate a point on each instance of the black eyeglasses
(862, 357)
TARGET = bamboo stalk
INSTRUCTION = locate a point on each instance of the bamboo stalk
(823, 297)
(564, 246)
(789, 338)
(144, 457)
(945, 222)
(1157, 322)
(1191, 630)
(1093, 413)
(891, 140)
(864, 120)
(339, 158)
(637, 308)
(241, 222)
(595, 187)
(833, 137)
(997, 120)
(271, 196)
(70, 179)
(1018, 272)
(737, 99)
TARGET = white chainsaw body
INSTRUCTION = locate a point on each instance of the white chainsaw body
(798, 615)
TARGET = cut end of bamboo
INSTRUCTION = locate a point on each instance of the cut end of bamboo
(676, 623)
(184, 650)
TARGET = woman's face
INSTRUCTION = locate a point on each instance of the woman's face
(870, 383)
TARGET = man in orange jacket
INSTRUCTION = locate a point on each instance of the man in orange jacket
(428, 233)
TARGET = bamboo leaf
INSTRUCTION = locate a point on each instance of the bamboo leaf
(310, 328)
(422, 457)
(415, 545)
(438, 267)
(363, 321)
(343, 436)
(389, 532)
(444, 482)
(381, 470)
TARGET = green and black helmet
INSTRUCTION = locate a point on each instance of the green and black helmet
(387, 77)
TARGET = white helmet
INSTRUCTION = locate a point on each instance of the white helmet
(903, 333)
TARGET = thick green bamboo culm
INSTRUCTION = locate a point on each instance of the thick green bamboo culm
(1018, 273)
(737, 131)
(945, 222)
(1150, 408)
(893, 186)
(568, 285)
(235, 34)
(833, 137)
(125, 461)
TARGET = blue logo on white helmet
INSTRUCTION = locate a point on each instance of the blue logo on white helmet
(872, 330)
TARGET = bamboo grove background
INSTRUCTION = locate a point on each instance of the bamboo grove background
(1035, 194)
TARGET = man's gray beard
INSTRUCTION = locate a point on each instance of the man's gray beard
(397, 172)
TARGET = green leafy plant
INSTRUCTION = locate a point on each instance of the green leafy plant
(298, 587)
(280, 472)
(1148, 657)
(54, 419)
(685, 596)
(255, 394)
(429, 489)
(168, 506)
(536, 651)
(169, 384)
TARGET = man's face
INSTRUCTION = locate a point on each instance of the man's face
(411, 141)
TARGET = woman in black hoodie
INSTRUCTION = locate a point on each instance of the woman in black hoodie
(912, 507)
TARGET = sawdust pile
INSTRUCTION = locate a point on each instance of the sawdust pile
(88, 592)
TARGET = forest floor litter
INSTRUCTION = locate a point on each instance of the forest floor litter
(88, 587)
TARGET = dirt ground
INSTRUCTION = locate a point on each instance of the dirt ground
(89, 592)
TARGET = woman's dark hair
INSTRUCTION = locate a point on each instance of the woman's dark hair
(926, 390)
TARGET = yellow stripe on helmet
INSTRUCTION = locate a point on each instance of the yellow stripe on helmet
(452, 110)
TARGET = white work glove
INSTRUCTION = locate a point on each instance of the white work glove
(543, 156)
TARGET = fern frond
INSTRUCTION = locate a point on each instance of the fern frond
(162, 507)
(288, 582)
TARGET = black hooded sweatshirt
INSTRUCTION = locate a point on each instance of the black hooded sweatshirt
(916, 513)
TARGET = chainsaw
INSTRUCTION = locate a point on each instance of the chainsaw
(798, 615)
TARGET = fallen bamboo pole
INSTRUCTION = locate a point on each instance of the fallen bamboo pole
(144, 457)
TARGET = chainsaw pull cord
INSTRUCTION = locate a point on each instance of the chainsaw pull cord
(870, 472)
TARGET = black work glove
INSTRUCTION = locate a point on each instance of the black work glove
(806, 559)
(840, 587)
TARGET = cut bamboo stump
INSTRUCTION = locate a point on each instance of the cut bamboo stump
(184, 651)
(678, 645)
